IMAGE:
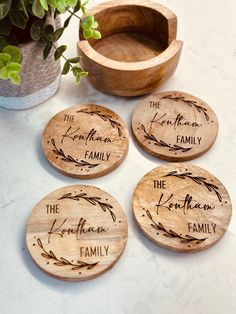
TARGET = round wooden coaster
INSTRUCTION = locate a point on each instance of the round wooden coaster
(76, 233)
(182, 207)
(174, 126)
(85, 141)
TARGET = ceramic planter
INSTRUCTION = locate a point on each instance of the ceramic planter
(40, 78)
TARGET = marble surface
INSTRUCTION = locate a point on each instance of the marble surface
(147, 279)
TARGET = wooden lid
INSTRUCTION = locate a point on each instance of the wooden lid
(85, 141)
(76, 233)
(182, 207)
(174, 126)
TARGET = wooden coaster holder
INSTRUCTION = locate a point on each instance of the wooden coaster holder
(138, 50)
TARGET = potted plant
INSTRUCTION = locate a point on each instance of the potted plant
(29, 54)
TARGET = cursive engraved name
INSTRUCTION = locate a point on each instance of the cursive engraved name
(178, 121)
(82, 227)
(91, 136)
(188, 203)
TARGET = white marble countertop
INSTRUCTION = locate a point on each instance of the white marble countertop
(147, 279)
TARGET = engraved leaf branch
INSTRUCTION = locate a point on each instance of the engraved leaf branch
(61, 261)
(198, 179)
(191, 103)
(161, 143)
(172, 234)
(59, 152)
(113, 123)
(94, 200)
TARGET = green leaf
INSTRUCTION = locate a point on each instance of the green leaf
(66, 68)
(78, 6)
(44, 4)
(38, 9)
(74, 60)
(71, 3)
(78, 79)
(48, 30)
(94, 25)
(83, 74)
(67, 21)
(60, 5)
(17, 18)
(47, 50)
(36, 30)
(59, 51)
(5, 26)
(83, 7)
(14, 53)
(5, 6)
(15, 78)
(23, 7)
(13, 67)
(52, 3)
(85, 26)
(97, 35)
(80, 75)
(88, 33)
(88, 21)
(3, 43)
(4, 59)
(85, 3)
(76, 70)
(4, 74)
(57, 34)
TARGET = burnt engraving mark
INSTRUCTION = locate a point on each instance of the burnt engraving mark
(61, 261)
(161, 143)
(191, 103)
(104, 117)
(94, 200)
(172, 234)
(67, 158)
(197, 179)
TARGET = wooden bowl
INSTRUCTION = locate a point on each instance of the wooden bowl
(138, 50)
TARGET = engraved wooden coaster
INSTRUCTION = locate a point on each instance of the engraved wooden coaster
(182, 207)
(85, 141)
(76, 233)
(174, 126)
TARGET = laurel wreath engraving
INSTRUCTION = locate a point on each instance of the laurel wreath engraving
(94, 200)
(104, 117)
(59, 152)
(199, 180)
(61, 261)
(172, 234)
(161, 143)
(191, 103)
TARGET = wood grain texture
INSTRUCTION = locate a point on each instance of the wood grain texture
(85, 141)
(182, 207)
(174, 126)
(76, 233)
(138, 50)
(128, 47)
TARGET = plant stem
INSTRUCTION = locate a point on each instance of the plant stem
(72, 13)
(54, 46)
